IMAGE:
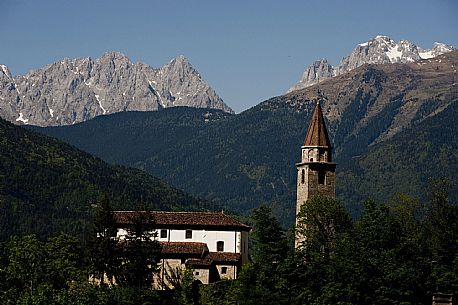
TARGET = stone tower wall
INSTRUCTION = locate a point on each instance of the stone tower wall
(311, 188)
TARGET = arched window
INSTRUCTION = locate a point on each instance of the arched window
(220, 246)
(303, 176)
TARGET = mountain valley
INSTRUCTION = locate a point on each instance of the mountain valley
(392, 127)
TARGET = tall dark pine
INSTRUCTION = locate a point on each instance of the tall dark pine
(102, 243)
(139, 251)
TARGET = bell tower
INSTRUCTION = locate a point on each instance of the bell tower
(316, 174)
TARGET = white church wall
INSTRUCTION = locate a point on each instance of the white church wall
(234, 241)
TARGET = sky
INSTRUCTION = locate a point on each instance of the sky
(248, 51)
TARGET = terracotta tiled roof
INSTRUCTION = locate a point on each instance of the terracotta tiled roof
(221, 257)
(317, 135)
(185, 219)
(201, 262)
(215, 258)
(184, 248)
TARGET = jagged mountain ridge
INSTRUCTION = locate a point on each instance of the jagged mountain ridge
(379, 50)
(75, 90)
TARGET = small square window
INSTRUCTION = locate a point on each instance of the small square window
(220, 246)
(197, 273)
(188, 234)
(163, 233)
(223, 270)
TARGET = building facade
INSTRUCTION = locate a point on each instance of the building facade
(215, 245)
(316, 175)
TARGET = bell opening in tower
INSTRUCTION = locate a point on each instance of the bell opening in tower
(321, 177)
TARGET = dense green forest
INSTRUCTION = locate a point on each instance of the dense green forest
(47, 186)
(398, 252)
(407, 162)
(245, 160)
(242, 161)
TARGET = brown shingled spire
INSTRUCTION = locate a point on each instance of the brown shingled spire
(317, 135)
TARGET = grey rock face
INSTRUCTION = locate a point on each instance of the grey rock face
(75, 90)
(316, 72)
(379, 50)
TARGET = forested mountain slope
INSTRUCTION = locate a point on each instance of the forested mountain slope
(244, 160)
(48, 186)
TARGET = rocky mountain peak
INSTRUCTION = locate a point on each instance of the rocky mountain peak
(320, 69)
(114, 57)
(180, 59)
(179, 64)
(5, 71)
(379, 50)
(75, 90)
(439, 46)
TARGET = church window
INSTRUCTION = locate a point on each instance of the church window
(321, 177)
(163, 233)
(223, 270)
(220, 246)
(197, 273)
(311, 159)
(188, 234)
(303, 176)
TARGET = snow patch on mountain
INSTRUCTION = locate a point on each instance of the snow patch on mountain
(97, 97)
(5, 70)
(393, 53)
(21, 118)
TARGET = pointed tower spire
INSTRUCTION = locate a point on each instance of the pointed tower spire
(317, 135)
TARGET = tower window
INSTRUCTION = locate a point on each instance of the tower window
(311, 159)
(220, 246)
(321, 177)
(303, 176)
(223, 270)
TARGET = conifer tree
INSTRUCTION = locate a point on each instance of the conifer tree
(262, 279)
(321, 220)
(102, 244)
(139, 251)
(442, 227)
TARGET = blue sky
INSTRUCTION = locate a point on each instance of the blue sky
(247, 51)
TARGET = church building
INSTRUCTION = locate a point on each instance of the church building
(213, 244)
(316, 173)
